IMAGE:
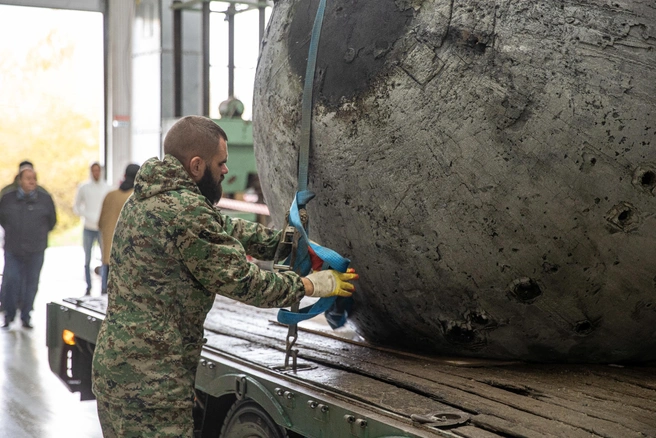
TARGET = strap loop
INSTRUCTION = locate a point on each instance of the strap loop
(303, 265)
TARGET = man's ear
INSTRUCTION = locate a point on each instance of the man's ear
(196, 168)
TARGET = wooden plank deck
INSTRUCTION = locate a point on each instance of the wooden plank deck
(503, 399)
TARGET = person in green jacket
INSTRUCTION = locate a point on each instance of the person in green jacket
(172, 252)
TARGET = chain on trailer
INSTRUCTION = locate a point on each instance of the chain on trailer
(281, 263)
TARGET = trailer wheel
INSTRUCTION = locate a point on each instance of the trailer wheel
(247, 419)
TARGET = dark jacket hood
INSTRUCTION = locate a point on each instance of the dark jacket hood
(160, 176)
(130, 175)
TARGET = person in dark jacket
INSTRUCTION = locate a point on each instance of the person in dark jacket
(10, 188)
(27, 216)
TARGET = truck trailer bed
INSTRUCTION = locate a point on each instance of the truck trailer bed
(507, 399)
(438, 396)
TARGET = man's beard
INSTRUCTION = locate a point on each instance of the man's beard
(210, 188)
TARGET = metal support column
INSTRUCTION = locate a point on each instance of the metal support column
(206, 59)
(230, 16)
(109, 166)
(177, 60)
(262, 23)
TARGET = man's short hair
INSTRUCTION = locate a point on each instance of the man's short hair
(193, 136)
(25, 163)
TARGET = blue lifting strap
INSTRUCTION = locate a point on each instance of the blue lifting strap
(306, 104)
(303, 266)
(302, 263)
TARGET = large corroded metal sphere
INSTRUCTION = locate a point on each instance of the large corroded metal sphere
(489, 168)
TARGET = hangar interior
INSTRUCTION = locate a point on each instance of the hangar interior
(486, 223)
(156, 70)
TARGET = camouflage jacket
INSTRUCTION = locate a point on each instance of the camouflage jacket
(172, 252)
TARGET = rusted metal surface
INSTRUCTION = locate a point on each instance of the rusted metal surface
(497, 398)
(489, 168)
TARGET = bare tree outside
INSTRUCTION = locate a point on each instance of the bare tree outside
(47, 113)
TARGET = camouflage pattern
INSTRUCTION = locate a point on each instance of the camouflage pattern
(172, 251)
(121, 421)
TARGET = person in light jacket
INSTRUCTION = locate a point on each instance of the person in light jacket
(88, 202)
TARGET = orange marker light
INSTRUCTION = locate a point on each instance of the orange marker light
(68, 337)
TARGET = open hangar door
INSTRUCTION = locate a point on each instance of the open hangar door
(157, 67)
(116, 136)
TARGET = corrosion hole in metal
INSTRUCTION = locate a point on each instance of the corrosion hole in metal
(461, 335)
(624, 216)
(583, 327)
(525, 290)
(648, 179)
(644, 178)
(479, 319)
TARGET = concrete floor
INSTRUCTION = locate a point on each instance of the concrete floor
(34, 403)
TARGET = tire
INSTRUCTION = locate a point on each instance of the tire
(247, 419)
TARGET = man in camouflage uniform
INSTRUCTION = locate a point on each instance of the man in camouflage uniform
(172, 252)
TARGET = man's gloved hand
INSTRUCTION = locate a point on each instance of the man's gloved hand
(329, 283)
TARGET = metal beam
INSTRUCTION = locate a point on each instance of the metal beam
(177, 61)
(262, 10)
(206, 59)
(251, 3)
(230, 15)
(77, 5)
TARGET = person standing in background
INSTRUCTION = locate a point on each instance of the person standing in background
(10, 188)
(27, 216)
(111, 208)
(88, 202)
(14, 185)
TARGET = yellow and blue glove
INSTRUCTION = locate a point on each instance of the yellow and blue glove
(331, 283)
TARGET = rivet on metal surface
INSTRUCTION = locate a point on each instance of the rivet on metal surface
(280, 392)
(324, 408)
(211, 365)
(361, 422)
(312, 404)
(349, 418)
(203, 362)
(289, 395)
(240, 387)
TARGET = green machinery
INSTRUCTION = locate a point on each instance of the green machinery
(242, 174)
